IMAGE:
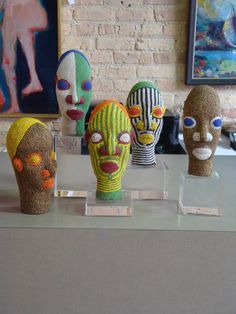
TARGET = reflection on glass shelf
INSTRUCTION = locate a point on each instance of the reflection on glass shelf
(146, 182)
(69, 212)
(201, 195)
(97, 207)
(73, 169)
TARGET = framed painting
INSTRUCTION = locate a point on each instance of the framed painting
(212, 42)
(29, 49)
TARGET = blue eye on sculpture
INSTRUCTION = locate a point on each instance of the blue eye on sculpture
(216, 122)
(189, 122)
(86, 85)
(63, 85)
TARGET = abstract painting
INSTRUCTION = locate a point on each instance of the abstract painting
(212, 42)
(28, 57)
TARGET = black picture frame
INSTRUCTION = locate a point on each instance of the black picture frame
(211, 56)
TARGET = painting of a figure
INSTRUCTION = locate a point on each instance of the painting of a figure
(212, 42)
(28, 56)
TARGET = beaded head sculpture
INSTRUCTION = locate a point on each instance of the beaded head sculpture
(201, 128)
(29, 145)
(146, 110)
(74, 91)
(109, 145)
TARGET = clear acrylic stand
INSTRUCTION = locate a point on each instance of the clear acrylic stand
(201, 195)
(146, 182)
(73, 169)
(97, 207)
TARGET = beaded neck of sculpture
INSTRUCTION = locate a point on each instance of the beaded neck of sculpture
(75, 128)
(202, 168)
(143, 156)
(34, 202)
(109, 188)
(80, 127)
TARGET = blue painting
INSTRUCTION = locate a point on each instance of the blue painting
(28, 56)
(212, 42)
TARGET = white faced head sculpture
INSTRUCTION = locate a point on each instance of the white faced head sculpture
(74, 91)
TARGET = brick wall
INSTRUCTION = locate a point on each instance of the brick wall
(131, 40)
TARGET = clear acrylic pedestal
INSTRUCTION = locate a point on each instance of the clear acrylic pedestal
(97, 207)
(73, 169)
(200, 195)
(146, 182)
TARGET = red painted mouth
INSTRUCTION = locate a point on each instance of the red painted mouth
(109, 167)
(75, 114)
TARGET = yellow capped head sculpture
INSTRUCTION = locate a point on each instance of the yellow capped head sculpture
(29, 145)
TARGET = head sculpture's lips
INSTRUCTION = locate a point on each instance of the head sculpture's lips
(146, 138)
(109, 167)
(75, 114)
(202, 153)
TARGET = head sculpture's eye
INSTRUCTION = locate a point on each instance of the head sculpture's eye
(96, 137)
(63, 84)
(216, 123)
(135, 111)
(86, 85)
(158, 111)
(189, 122)
(124, 138)
(34, 159)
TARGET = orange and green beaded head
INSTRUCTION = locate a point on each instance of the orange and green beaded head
(109, 145)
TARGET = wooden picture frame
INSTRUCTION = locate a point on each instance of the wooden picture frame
(29, 49)
(212, 43)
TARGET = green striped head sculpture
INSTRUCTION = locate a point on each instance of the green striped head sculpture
(109, 145)
(74, 91)
(146, 110)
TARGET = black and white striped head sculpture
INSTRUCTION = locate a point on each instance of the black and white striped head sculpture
(146, 110)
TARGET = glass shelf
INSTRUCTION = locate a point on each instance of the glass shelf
(147, 214)
(201, 195)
